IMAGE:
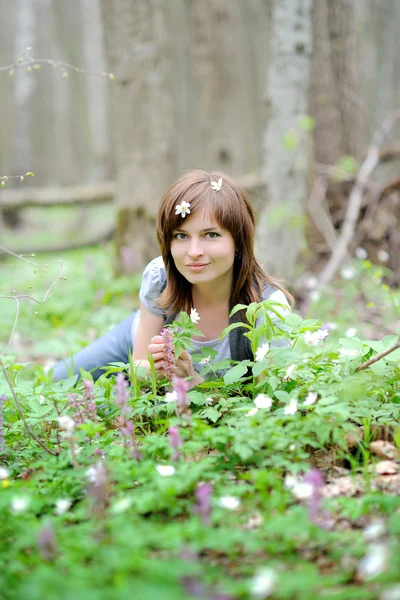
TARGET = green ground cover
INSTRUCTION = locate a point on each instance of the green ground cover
(286, 487)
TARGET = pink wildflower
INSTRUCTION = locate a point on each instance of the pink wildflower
(317, 514)
(175, 441)
(203, 506)
(169, 355)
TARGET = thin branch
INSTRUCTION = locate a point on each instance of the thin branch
(17, 298)
(354, 203)
(27, 426)
(375, 359)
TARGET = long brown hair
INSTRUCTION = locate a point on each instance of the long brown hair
(232, 210)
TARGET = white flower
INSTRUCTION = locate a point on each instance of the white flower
(263, 583)
(121, 506)
(4, 474)
(252, 411)
(216, 185)
(374, 562)
(315, 295)
(165, 470)
(351, 352)
(382, 255)
(62, 505)
(330, 326)
(313, 339)
(206, 360)
(310, 399)
(361, 253)
(311, 282)
(262, 401)
(208, 401)
(348, 273)
(289, 371)
(66, 424)
(194, 316)
(374, 530)
(18, 505)
(229, 502)
(171, 396)
(262, 351)
(182, 209)
(41, 399)
(350, 332)
(302, 491)
(291, 408)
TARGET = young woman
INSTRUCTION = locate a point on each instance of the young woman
(205, 229)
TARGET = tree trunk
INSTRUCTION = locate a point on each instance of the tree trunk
(285, 143)
(142, 123)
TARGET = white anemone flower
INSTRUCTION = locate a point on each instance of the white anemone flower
(310, 399)
(291, 408)
(315, 337)
(194, 316)
(182, 209)
(289, 372)
(165, 470)
(263, 583)
(350, 332)
(348, 273)
(171, 396)
(62, 505)
(4, 473)
(66, 424)
(19, 505)
(121, 506)
(262, 401)
(229, 502)
(252, 412)
(262, 351)
(216, 185)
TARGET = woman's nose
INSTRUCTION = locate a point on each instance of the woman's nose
(195, 248)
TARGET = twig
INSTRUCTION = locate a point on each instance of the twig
(375, 359)
(353, 207)
(27, 426)
(17, 298)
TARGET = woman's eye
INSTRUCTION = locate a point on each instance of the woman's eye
(212, 235)
(180, 236)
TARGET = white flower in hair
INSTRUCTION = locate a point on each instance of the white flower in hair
(182, 209)
(217, 185)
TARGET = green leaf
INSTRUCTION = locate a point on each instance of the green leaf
(235, 373)
(236, 308)
(260, 366)
(233, 326)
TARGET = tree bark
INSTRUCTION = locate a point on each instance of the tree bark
(285, 168)
(142, 123)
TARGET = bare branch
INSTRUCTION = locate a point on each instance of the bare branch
(375, 359)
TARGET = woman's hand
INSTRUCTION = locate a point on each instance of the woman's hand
(183, 364)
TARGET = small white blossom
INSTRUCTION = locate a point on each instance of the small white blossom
(291, 408)
(315, 295)
(263, 583)
(302, 490)
(383, 256)
(289, 371)
(41, 399)
(194, 316)
(121, 506)
(348, 273)
(171, 396)
(216, 185)
(4, 474)
(205, 361)
(314, 338)
(62, 505)
(252, 411)
(311, 282)
(350, 332)
(374, 530)
(374, 562)
(229, 502)
(208, 401)
(310, 399)
(66, 424)
(18, 504)
(262, 401)
(361, 253)
(182, 209)
(165, 470)
(351, 352)
(262, 351)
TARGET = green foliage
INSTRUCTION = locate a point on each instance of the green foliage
(126, 528)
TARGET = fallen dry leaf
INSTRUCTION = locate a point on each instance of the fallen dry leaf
(384, 449)
(342, 486)
(386, 467)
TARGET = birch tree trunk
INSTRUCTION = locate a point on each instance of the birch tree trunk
(284, 172)
(142, 123)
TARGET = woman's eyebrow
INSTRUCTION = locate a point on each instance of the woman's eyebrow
(201, 230)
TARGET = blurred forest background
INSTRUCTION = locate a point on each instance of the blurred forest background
(297, 99)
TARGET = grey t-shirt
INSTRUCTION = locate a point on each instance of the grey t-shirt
(153, 282)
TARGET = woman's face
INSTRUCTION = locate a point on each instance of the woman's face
(202, 251)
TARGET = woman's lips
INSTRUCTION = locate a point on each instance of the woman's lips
(197, 267)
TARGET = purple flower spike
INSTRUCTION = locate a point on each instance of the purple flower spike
(175, 441)
(203, 506)
(169, 354)
(317, 514)
(121, 393)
